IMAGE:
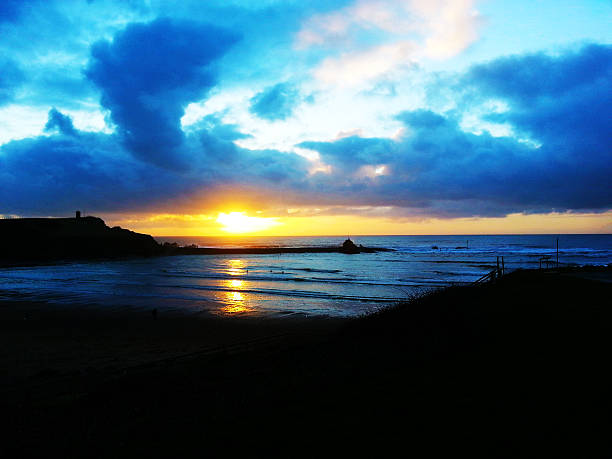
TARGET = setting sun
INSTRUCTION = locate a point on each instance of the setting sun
(239, 222)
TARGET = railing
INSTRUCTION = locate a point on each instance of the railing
(493, 275)
(486, 278)
(547, 262)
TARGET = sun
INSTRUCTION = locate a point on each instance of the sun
(239, 223)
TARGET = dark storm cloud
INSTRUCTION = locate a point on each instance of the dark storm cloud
(225, 161)
(563, 101)
(524, 77)
(51, 175)
(214, 126)
(275, 102)
(57, 174)
(350, 153)
(11, 78)
(61, 122)
(563, 104)
(148, 74)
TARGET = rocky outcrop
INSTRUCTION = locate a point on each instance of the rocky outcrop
(42, 239)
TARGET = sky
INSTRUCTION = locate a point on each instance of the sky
(287, 117)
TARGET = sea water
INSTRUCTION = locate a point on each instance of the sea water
(332, 284)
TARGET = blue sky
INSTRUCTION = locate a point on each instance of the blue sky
(406, 109)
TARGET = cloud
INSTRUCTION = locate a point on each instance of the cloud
(562, 101)
(214, 126)
(446, 25)
(148, 74)
(11, 78)
(436, 168)
(351, 69)
(450, 26)
(414, 30)
(520, 78)
(53, 175)
(440, 168)
(57, 174)
(333, 27)
(349, 154)
(61, 122)
(275, 102)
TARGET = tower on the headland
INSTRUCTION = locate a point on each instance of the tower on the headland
(78, 214)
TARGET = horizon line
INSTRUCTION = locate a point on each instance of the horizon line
(389, 235)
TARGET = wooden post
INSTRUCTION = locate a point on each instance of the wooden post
(503, 267)
(557, 252)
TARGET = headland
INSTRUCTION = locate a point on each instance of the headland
(48, 239)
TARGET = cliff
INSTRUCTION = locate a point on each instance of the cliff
(41, 239)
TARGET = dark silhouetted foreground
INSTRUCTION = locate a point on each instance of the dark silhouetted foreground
(519, 368)
(48, 239)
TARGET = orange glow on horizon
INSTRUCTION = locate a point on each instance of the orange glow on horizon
(341, 225)
(240, 223)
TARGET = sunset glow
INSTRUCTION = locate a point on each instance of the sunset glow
(329, 225)
(240, 223)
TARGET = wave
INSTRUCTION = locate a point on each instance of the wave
(416, 279)
(312, 270)
(289, 293)
(262, 277)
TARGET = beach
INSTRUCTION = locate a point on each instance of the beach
(518, 367)
(49, 342)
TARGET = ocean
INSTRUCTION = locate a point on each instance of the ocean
(328, 284)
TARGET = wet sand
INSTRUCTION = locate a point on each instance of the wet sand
(46, 342)
(516, 368)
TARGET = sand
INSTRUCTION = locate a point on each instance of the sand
(42, 343)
